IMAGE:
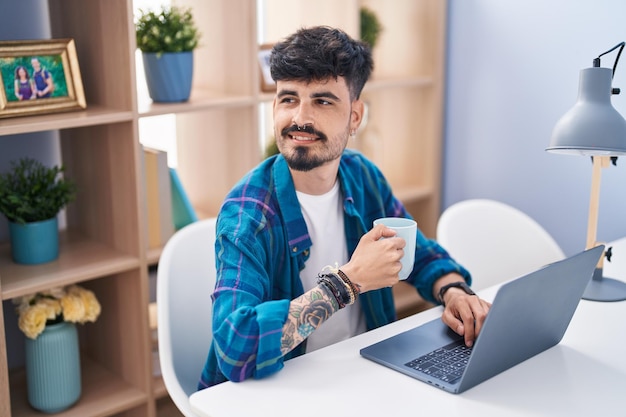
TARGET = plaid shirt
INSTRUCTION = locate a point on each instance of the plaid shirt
(262, 244)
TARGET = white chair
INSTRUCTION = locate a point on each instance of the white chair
(494, 241)
(185, 282)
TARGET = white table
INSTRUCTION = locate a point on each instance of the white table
(585, 375)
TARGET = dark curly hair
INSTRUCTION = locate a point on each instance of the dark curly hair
(320, 53)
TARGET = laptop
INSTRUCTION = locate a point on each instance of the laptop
(528, 315)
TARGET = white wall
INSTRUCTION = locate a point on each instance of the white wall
(513, 69)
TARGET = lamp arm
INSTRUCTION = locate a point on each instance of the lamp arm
(599, 162)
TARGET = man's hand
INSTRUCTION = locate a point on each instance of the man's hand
(375, 262)
(464, 313)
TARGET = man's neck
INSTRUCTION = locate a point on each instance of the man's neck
(318, 181)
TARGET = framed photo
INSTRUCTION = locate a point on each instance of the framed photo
(267, 84)
(39, 77)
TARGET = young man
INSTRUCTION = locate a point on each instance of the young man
(299, 265)
(42, 78)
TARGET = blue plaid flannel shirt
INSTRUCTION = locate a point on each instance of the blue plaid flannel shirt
(261, 246)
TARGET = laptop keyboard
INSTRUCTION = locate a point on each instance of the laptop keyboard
(446, 364)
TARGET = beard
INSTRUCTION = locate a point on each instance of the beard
(307, 158)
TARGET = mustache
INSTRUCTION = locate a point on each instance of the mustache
(306, 129)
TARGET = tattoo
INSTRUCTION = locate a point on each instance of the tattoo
(307, 313)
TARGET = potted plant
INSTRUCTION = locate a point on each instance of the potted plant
(48, 319)
(371, 27)
(31, 196)
(167, 39)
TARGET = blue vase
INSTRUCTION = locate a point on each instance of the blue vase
(168, 75)
(53, 368)
(35, 243)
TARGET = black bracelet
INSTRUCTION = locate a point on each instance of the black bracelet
(462, 285)
(331, 290)
(346, 290)
(340, 289)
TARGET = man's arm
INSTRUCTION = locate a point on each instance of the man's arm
(374, 264)
(306, 314)
(47, 77)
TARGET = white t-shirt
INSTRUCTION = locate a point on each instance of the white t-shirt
(323, 215)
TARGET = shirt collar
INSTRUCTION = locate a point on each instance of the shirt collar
(297, 234)
(298, 237)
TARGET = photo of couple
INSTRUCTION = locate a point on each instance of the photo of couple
(38, 77)
(33, 77)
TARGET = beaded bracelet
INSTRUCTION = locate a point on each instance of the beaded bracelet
(355, 289)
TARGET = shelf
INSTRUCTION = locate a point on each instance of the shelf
(79, 259)
(92, 116)
(153, 255)
(410, 195)
(199, 100)
(376, 84)
(158, 387)
(101, 390)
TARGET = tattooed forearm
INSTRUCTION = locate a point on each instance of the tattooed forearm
(307, 313)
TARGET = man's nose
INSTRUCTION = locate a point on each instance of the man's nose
(303, 115)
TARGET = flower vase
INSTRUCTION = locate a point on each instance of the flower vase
(168, 75)
(53, 368)
(34, 243)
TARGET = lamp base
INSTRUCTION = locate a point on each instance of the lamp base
(604, 289)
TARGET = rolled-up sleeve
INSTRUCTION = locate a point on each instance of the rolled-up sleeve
(247, 328)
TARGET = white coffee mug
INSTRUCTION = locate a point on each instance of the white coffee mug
(407, 230)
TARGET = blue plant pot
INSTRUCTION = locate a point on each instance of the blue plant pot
(35, 243)
(53, 368)
(168, 75)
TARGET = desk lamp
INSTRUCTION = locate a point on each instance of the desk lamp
(594, 128)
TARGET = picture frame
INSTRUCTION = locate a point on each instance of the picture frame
(267, 83)
(39, 77)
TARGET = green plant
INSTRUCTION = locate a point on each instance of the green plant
(271, 148)
(370, 27)
(172, 29)
(31, 192)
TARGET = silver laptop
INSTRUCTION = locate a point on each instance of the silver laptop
(528, 315)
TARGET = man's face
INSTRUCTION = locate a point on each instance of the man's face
(35, 63)
(324, 112)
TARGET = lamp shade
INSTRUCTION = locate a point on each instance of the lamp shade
(593, 126)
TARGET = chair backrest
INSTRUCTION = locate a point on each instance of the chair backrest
(494, 241)
(185, 281)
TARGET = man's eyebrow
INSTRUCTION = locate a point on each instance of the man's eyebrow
(325, 94)
(283, 93)
(321, 94)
